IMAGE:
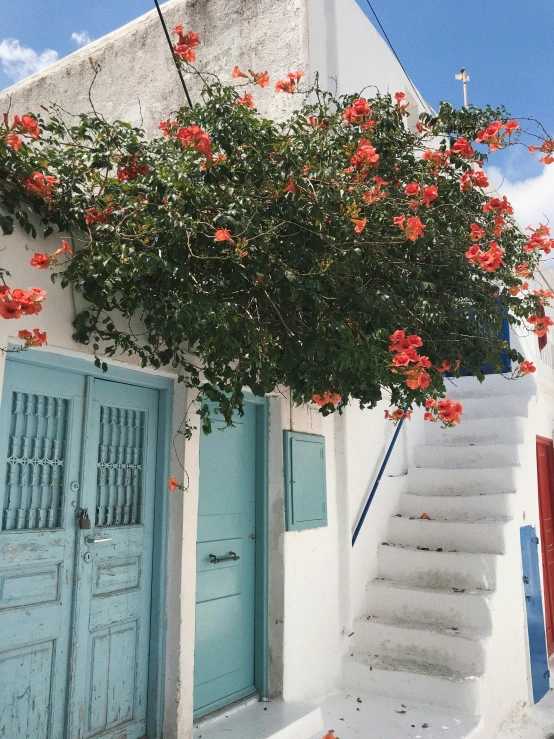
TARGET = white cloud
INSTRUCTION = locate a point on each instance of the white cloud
(532, 198)
(81, 38)
(21, 61)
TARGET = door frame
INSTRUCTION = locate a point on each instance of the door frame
(261, 572)
(158, 612)
(547, 585)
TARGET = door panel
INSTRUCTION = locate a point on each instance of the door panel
(42, 411)
(545, 470)
(110, 669)
(225, 592)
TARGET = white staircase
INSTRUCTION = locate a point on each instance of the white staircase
(430, 612)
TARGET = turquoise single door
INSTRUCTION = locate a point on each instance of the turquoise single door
(224, 658)
(75, 603)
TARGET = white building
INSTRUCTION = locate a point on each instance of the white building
(427, 615)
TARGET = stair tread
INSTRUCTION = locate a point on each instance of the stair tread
(412, 548)
(470, 592)
(484, 520)
(433, 627)
(412, 666)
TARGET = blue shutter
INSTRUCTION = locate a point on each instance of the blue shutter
(305, 483)
(540, 676)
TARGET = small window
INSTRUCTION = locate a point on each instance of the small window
(305, 481)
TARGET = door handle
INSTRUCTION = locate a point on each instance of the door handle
(99, 540)
(214, 560)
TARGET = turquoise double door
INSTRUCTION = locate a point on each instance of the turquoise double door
(75, 602)
(229, 639)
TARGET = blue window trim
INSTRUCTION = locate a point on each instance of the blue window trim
(165, 386)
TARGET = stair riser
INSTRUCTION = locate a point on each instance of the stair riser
(438, 569)
(461, 507)
(448, 651)
(505, 407)
(482, 431)
(469, 482)
(465, 537)
(494, 386)
(413, 688)
(462, 610)
(470, 457)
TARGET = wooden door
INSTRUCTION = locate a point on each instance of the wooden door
(224, 669)
(75, 603)
(545, 470)
(109, 686)
(40, 446)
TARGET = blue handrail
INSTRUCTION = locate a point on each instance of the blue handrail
(378, 479)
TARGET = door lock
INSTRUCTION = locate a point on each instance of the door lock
(82, 515)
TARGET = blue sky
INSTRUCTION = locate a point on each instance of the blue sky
(507, 48)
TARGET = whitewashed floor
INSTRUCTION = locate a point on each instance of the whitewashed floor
(374, 717)
(534, 723)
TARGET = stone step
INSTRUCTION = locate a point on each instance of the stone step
(510, 430)
(493, 386)
(438, 607)
(458, 507)
(476, 481)
(411, 681)
(267, 720)
(467, 457)
(446, 648)
(460, 570)
(485, 535)
(508, 406)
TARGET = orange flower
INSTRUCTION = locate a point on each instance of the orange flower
(463, 148)
(172, 484)
(14, 141)
(412, 189)
(359, 225)
(365, 155)
(10, 309)
(260, 78)
(547, 148)
(414, 228)
(33, 339)
(430, 193)
(197, 139)
(449, 411)
(522, 270)
(41, 184)
(238, 73)
(430, 403)
(327, 397)
(541, 324)
(500, 206)
(418, 379)
(186, 44)
(526, 368)
(40, 261)
(247, 100)
(222, 234)
(290, 188)
(64, 249)
(399, 221)
(477, 233)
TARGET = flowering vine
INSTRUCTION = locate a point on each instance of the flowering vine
(259, 253)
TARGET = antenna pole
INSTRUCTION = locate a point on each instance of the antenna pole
(464, 78)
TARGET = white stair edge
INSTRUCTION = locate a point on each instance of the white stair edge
(263, 720)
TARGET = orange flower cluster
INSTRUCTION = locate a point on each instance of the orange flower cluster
(541, 324)
(24, 125)
(489, 260)
(428, 194)
(247, 100)
(477, 233)
(197, 139)
(494, 134)
(473, 178)
(365, 156)
(446, 410)
(98, 216)
(291, 83)
(131, 170)
(397, 415)
(328, 397)
(413, 227)
(437, 158)
(525, 368)
(41, 185)
(498, 206)
(522, 270)
(548, 150)
(258, 78)
(36, 338)
(543, 295)
(359, 114)
(539, 240)
(408, 362)
(375, 193)
(17, 303)
(516, 289)
(401, 102)
(462, 147)
(186, 44)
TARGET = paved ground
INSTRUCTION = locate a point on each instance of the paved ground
(535, 723)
